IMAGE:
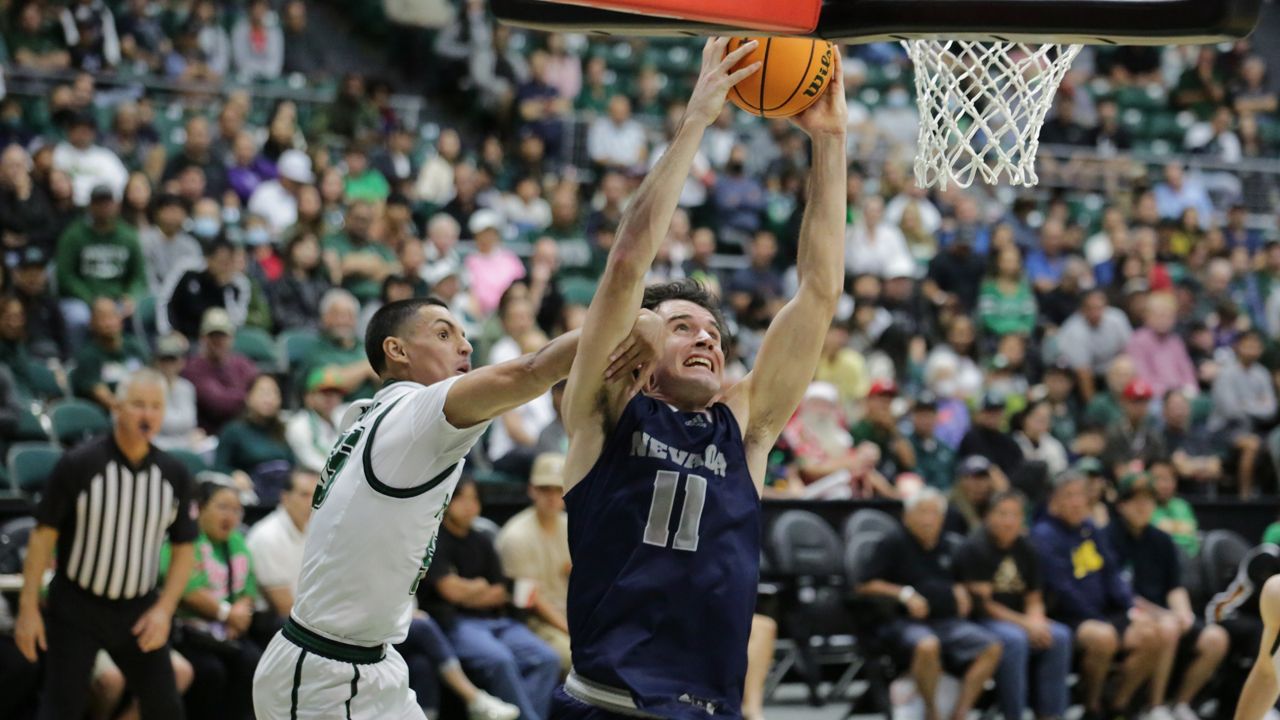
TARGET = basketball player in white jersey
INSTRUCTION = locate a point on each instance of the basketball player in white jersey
(1263, 686)
(382, 494)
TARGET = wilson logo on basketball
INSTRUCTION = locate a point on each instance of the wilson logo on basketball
(819, 78)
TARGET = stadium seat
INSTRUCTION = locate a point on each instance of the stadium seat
(44, 382)
(75, 421)
(13, 544)
(869, 611)
(144, 320)
(194, 462)
(30, 464)
(1193, 579)
(31, 425)
(295, 344)
(868, 520)
(814, 612)
(1220, 557)
(258, 345)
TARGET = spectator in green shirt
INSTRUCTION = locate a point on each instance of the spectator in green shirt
(107, 357)
(253, 446)
(99, 257)
(362, 258)
(35, 44)
(593, 99)
(1104, 408)
(1200, 88)
(363, 182)
(338, 350)
(216, 611)
(1006, 304)
(1174, 514)
(14, 354)
(935, 460)
(879, 427)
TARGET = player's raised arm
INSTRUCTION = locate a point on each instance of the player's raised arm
(787, 358)
(642, 229)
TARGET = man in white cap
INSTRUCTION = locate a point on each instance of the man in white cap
(492, 268)
(534, 547)
(277, 200)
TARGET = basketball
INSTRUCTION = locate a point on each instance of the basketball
(793, 75)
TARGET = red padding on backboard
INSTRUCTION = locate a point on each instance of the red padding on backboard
(784, 17)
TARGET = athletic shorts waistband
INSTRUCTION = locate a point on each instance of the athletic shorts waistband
(616, 700)
(325, 647)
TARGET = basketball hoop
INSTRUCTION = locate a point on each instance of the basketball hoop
(981, 107)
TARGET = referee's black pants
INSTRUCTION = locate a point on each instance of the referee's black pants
(77, 626)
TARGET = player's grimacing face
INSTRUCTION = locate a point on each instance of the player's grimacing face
(692, 362)
(436, 346)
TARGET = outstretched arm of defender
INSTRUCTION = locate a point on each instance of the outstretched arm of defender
(787, 358)
(1262, 687)
(644, 226)
(490, 391)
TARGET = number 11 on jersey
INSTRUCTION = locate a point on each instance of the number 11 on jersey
(664, 500)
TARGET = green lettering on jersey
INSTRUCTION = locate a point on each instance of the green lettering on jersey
(338, 457)
(431, 549)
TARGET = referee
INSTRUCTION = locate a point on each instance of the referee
(108, 505)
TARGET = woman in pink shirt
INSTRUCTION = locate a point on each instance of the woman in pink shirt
(1159, 354)
(491, 268)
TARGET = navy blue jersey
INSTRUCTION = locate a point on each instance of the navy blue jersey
(664, 532)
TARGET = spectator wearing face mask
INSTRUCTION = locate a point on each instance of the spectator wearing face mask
(166, 245)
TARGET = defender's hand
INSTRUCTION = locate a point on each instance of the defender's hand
(637, 354)
(715, 79)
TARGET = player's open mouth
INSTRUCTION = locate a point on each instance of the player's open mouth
(699, 361)
(464, 368)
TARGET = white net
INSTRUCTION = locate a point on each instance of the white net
(981, 107)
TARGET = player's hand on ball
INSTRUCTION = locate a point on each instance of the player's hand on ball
(715, 79)
(634, 357)
(830, 114)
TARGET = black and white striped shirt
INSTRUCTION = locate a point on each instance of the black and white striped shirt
(112, 516)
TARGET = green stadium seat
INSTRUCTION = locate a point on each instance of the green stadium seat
(30, 464)
(193, 462)
(144, 320)
(31, 426)
(295, 344)
(258, 345)
(44, 382)
(75, 421)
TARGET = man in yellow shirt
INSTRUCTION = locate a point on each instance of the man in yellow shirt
(843, 367)
(534, 547)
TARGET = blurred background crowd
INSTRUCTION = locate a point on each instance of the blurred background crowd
(226, 191)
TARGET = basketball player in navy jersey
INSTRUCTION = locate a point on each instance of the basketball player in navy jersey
(663, 485)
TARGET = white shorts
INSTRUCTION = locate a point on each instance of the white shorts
(296, 684)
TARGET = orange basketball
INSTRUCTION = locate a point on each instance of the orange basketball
(794, 74)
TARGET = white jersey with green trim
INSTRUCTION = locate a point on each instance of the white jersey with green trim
(377, 509)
